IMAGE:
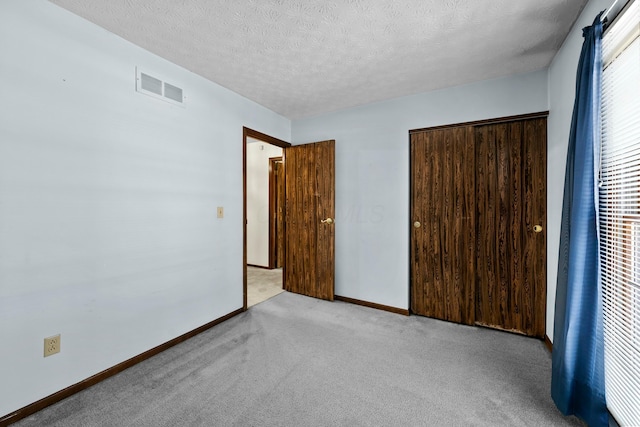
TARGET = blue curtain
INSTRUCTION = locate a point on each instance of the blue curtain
(577, 384)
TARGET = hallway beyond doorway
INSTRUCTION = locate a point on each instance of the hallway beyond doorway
(262, 284)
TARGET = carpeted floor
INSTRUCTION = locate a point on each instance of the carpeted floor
(298, 361)
(262, 284)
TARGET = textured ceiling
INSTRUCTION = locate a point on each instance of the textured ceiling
(306, 57)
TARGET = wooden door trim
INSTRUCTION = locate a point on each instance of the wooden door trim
(273, 245)
(497, 120)
(250, 133)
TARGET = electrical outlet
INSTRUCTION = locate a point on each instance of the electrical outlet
(52, 345)
(220, 212)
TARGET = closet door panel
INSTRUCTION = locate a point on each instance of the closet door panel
(511, 191)
(478, 224)
(427, 264)
(442, 220)
(535, 215)
(487, 277)
(516, 232)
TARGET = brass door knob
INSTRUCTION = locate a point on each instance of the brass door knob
(417, 224)
(537, 228)
(327, 221)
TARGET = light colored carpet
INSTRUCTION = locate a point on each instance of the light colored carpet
(262, 284)
(298, 361)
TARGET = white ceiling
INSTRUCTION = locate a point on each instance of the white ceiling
(307, 57)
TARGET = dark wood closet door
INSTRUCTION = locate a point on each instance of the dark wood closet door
(310, 212)
(511, 226)
(442, 228)
(478, 213)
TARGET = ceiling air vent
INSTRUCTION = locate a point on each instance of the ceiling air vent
(155, 87)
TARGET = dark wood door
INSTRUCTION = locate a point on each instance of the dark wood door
(280, 213)
(276, 212)
(310, 212)
(442, 229)
(511, 226)
(478, 213)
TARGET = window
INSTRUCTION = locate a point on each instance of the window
(619, 210)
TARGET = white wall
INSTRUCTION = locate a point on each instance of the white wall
(562, 82)
(258, 154)
(372, 173)
(108, 199)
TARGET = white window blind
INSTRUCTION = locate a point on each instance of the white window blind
(620, 215)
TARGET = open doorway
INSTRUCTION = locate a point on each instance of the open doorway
(263, 188)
